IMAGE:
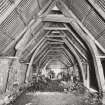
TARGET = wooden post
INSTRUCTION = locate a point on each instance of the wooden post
(4, 68)
(88, 77)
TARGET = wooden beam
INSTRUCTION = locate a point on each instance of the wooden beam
(97, 8)
(49, 59)
(14, 41)
(8, 57)
(40, 55)
(55, 36)
(18, 37)
(70, 14)
(55, 28)
(99, 56)
(33, 56)
(55, 40)
(48, 43)
(77, 57)
(44, 50)
(63, 51)
(35, 37)
(36, 26)
(66, 53)
(32, 24)
(77, 39)
(46, 12)
(45, 7)
(69, 59)
(60, 50)
(36, 46)
(23, 41)
(57, 56)
(31, 61)
(55, 32)
(43, 42)
(90, 41)
(78, 50)
(70, 55)
(56, 18)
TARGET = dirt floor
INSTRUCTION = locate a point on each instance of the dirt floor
(49, 98)
(52, 94)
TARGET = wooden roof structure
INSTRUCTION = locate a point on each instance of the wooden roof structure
(18, 15)
(36, 31)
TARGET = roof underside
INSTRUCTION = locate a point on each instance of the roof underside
(16, 18)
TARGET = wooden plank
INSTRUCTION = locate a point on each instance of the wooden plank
(18, 37)
(56, 40)
(57, 18)
(78, 50)
(7, 13)
(77, 58)
(55, 32)
(33, 56)
(8, 57)
(23, 42)
(75, 47)
(97, 8)
(43, 49)
(45, 7)
(31, 24)
(45, 13)
(55, 36)
(35, 37)
(99, 56)
(40, 55)
(87, 36)
(76, 37)
(40, 43)
(59, 54)
(70, 14)
(49, 58)
(70, 55)
(58, 49)
(55, 28)
(64, 51)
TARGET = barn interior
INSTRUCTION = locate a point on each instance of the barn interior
(52, 52)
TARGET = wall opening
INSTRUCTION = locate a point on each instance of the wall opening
(103, 65)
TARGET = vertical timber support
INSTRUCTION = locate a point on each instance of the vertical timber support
(20, 71)
(29, 79)
(78, 60)
(86, 72)
(88, 77)
(4, 69)
(21, 67)
(94, 52)
(101, 73)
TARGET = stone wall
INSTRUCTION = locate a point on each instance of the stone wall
(16, 75)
